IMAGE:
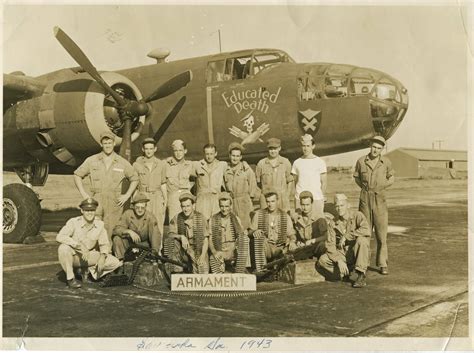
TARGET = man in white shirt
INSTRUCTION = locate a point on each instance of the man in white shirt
(310, 174)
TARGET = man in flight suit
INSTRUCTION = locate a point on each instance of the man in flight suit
(85, 244)
(107, 171)
(152, 180)
(373, 174)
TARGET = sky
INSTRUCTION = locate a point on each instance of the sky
(427, 48)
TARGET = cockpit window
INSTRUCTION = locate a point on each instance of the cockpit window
(386, 90)
(360, 86)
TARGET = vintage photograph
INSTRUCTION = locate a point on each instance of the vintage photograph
(206, 177)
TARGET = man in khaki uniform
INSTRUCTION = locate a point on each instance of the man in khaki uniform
(373, 174)
(137, 226)
(152, 180)
(209, 181)
(178, 174)
(107, 170)
(274, 172)
(347, 246)
(239, 180)
(85, 244)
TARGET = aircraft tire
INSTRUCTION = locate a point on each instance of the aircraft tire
(21, 213)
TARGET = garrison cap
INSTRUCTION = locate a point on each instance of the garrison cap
(307, 138)
(273, 142)
(378, 139)
(306, 194)
(140, 197)
(148, 140)
(177, 143)
(235, 146)
(225, 196)
(89, 204)
(339, 197)
(187, 196)
(107, 134)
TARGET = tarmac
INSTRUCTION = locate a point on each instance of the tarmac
(425, 294)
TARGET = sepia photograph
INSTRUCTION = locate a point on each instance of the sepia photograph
(255, 176)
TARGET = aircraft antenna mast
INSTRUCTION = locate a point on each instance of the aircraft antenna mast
(220, 45)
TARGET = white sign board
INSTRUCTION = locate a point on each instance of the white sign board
(213, 282)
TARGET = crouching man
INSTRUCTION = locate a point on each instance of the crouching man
(274, 226)
(85, 245)
(347, 246)
(228, 242)
(137, 226)
(188, 236)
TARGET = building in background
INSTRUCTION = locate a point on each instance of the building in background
(421, 163)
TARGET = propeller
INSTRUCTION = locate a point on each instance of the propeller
(128, 109)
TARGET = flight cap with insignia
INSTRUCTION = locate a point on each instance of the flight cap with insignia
(89, 204)
(140, 197)
(339, 198)
(235, 146)
(306, 194)
(187, 196)
(148, 140)
(225, 196)
(108, 135)
(307, 138)
(273, 142)
(378, 139)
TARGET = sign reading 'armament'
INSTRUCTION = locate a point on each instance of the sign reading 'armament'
(213, 282)
(250, 99)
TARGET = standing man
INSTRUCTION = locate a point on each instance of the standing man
(228, 240)
(178, 177)
(310, 174)
(152, 180)
(373, 173)
(188, 236)
(138, 226)
(347, 246)
(107, 170)
(209, 181)
(274, 172)
(85, 244)
(240, 181)
(311, 229)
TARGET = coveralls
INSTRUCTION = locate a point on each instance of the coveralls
(146, 227)
(240, 182)
(209, 182)
(356, 251)
(151, 177)
(94, 237)
(274, 177)
(374, 177)
(106, 185)
(178, 181)
(313, 229)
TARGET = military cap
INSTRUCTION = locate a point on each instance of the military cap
(107, 134)
(235, 146)
(148, 140)
(273, 142)
(306, 194)
(307, 138)
(339, 197)
(270, 192)
(187, 196)
(89, 204)
(140, 197)
(378, 139)
(177, 143)
(225, 196)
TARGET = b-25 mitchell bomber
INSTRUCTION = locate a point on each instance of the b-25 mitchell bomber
(51, 123)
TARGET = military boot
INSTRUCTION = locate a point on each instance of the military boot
(360, 281)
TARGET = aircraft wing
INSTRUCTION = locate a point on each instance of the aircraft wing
(20, 87)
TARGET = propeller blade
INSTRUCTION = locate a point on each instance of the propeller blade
(78, 55)
(169, 119)
(172, 85)
(125, 147)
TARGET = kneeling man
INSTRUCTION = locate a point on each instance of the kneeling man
(85, 245)
(188, 236)
(274, 226)
(347, 246)
(138, 226)
(228, 242)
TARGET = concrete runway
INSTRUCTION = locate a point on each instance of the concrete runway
(425, 294)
